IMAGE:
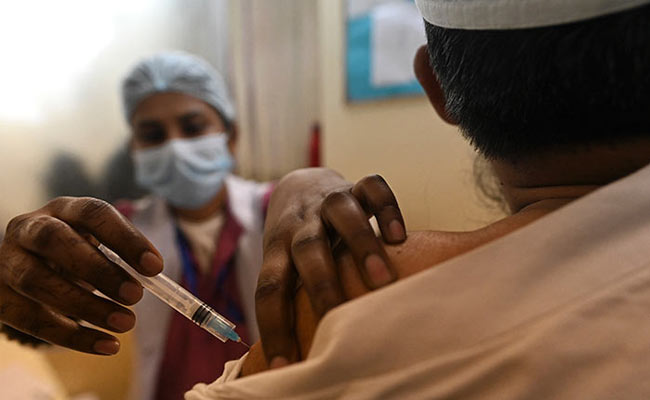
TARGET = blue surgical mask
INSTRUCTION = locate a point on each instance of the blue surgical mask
(188, 173)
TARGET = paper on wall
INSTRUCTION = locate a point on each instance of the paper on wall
(397, 32)
(358, 8)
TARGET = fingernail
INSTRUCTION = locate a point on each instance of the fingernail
(150, 263)
(107, 347)
(396, 230)
(377, 270)
(130, 292)
(120, 321)
(278, 362)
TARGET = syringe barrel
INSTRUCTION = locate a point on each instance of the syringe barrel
(160, 285)
(180, 299)
(171, 293)
(194, 309)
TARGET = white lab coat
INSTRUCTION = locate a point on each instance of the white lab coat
(152, 217)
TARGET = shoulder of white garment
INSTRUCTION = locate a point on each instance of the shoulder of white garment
(203, 391)
(148, 207)
(569, 308)
(245, 199)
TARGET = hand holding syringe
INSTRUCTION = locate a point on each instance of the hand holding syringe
(181, 300)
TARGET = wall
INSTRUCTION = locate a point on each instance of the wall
(426, 161)
(275, 76)
(62, 68)
(106, 378)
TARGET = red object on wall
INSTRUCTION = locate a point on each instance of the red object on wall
(314, 146)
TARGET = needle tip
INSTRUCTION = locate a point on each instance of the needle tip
(244, 343)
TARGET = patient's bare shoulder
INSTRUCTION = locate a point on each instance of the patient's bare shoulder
(426, 249)
(422, 250)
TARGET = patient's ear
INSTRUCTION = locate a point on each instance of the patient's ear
(429, 82)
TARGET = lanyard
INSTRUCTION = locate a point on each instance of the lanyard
(189, 264)
(231, 309)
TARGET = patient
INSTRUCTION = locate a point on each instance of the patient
(556, 97)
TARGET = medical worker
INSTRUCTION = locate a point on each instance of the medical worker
(205, 223)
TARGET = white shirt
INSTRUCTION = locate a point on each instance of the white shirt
(202, 237)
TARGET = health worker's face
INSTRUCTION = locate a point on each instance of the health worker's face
(165, 116)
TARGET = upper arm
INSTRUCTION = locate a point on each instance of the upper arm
(420, 251)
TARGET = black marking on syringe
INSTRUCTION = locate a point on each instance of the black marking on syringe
(201, 314)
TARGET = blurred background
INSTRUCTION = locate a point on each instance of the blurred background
(289, 64)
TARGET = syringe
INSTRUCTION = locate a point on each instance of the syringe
(180, 300)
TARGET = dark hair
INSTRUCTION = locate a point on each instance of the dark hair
(514, 92)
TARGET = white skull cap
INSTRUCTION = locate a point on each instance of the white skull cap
(516, 14)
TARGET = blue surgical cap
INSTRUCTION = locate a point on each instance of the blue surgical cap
(176, 72)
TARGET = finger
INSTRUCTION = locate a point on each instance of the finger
(89, 238)
(111, 228)
(342, 212)
(273, 306)
(30, 317)
(29, 276)
(56, 242)
(312, 257)
(376, 197)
